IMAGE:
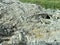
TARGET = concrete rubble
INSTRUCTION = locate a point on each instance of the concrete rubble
(28, 24)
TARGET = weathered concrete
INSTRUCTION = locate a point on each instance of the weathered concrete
(28, 24)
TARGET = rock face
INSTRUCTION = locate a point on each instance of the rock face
(28, 24)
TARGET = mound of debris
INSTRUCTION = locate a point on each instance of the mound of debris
(28, 24)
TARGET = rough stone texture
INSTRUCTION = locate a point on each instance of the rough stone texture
(28, 24)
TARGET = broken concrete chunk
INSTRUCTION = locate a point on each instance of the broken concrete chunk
(28, 24)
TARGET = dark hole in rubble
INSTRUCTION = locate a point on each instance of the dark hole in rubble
(55, 40)
(58, 17)
(46, 16)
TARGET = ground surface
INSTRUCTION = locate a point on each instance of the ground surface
(28, 24)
